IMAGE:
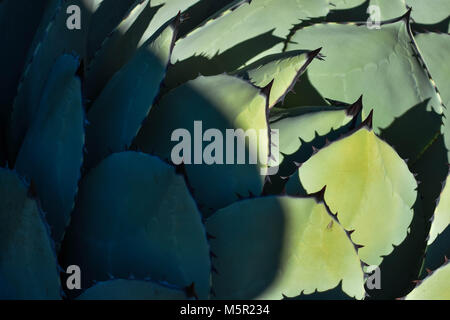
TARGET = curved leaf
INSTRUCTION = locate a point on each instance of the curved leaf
(117, 115)
(239, 36)
(135, 216)
(441, 218)
(370, 187)
(28, 268)
(106, 16)
(435, 287)
(22, 17)
(301, 131)
(52, 151)
(434, 49)
(272, 247)
(439, 237)
(131, 290)
(390, 77)
(225, 105)
(119, 46)
(52, 39)
(429, 12)
(283, 69)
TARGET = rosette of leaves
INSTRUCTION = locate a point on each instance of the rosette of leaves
(353, 143)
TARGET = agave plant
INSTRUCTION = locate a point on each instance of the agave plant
(353, 119)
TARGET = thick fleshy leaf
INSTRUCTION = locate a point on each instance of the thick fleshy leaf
(52, 152)
(275, 246)
(369, 186)
(117, 114)
(434, 287)
(301, 131)
(215, 106)
(299, 126)
(283, 69)
(52, 39)
(22, 17)
(120, 44)
(434, 49)
(131, 290)
(239, 36)
(106, 16)
(28, 268)
(441, 219)
(134, 216)
(203, 11)
(429, 12)
(393, 82)
(390, 77)
(439, 236)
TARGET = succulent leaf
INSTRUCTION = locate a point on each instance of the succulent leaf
(275, 246)
(116, 116)
(52, 151)
(106, 16)
(439, 237)
(301, 131)
(218, 102)
(390, 78)
(134, 215)
(305, 124)
(284, 69)
(434, 49)
(119, 47)
(239, 37)
(121, 289)
(434, 287)
(367, 184)
(52, 39)
(429, 12)
(23, 17)
(28, 268)
(441, 218)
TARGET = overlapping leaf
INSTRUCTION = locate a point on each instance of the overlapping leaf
(272, 247)
(28, 268)
(434, 287)
(368, 184)
(52, 151)
(117, 114)
(135, 217)
(212, 109)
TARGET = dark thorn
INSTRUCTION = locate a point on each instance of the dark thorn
(32, 192)
(213, 269)
(320, 195)
(355, 108)
(190, 291)
(266, 90)
(314, 53)
(369, 121)
(80, 71)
